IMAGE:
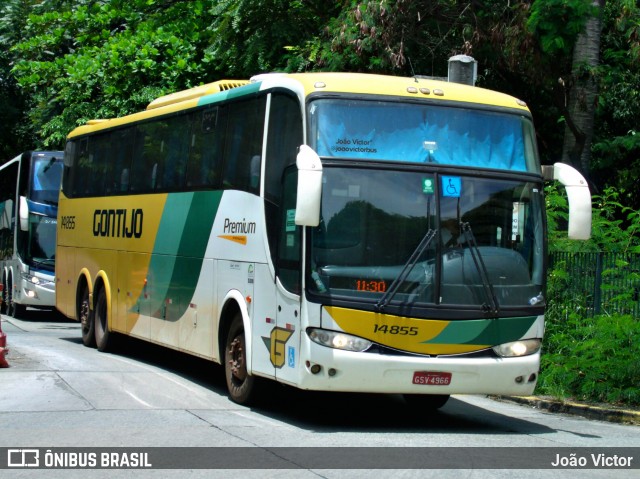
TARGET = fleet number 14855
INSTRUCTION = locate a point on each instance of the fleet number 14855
(395, 329)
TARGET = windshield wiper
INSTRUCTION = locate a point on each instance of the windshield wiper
(408, 266)
(49, 164)
(45, 263)
(493, 306)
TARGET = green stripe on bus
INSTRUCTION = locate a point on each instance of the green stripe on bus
(229, 94)
(178, 253)
(484, 331)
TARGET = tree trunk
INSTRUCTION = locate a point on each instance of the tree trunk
(582, 94)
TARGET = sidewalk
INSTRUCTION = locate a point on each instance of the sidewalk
(600, 412)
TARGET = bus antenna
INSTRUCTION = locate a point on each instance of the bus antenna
(413, 72)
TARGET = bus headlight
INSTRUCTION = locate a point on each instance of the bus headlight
(338, 340)
(35, 280)
(31, 279)
(524, 347)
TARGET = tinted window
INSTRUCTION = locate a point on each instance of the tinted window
(207, 147)
(243, 146)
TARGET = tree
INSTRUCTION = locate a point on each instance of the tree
(81, 60)
(75, 60)
(257, 36)
(400, 37)
(616, 144)
(14, 137)
(582, 92)
(85, 60)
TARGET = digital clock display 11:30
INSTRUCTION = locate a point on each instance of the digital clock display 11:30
(371, 286)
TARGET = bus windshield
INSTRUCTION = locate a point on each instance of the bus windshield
(419, 133)
(46, 178)
(486, 248)
(37, 245)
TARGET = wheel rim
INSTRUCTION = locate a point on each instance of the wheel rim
(84, 315)
(237, 364)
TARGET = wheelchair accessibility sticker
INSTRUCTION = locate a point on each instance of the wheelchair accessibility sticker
(451, 186)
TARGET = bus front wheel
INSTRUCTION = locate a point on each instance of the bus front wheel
(242, 387)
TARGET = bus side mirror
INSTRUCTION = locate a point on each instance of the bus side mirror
(578, 195)
(309, 187)
(23, 213)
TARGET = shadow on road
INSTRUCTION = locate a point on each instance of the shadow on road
(44, 315)
(331, 412)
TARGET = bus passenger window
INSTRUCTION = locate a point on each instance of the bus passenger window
(176, 153)
(82, 169)
(243, 143)
(206, 147)
(148, 154)
(121, 149)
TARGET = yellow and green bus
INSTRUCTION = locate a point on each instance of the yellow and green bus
(329, 231)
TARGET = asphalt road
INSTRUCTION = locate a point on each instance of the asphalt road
(59, 394)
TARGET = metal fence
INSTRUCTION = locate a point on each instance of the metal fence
(601, 283)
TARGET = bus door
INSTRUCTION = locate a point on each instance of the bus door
(285, 337)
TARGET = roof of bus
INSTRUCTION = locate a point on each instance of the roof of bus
(320, 82)
(410, 87)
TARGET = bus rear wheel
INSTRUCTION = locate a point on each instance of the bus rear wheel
(101, 322)
(242, 387)
(426, 402)
(87, 324)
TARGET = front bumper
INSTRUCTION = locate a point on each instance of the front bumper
(381, 373)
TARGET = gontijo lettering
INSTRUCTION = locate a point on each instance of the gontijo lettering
(118, 223)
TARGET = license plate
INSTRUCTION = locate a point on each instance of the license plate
(431, 378)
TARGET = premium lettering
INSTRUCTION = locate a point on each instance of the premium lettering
(239, 227)
(118, 223)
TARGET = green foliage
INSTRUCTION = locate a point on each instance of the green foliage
(615, 228)
(616, 144)
(557, 23)
(14, 134)
(394, 36)
(255, 36)
(592, 359)
(587, 357)
(106, 59)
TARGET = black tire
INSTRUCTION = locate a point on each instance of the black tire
(85, 316)
(242, 387)
(101, 322)
(18, 310)
(426, 402)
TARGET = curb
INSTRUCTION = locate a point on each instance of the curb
(590, 411)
